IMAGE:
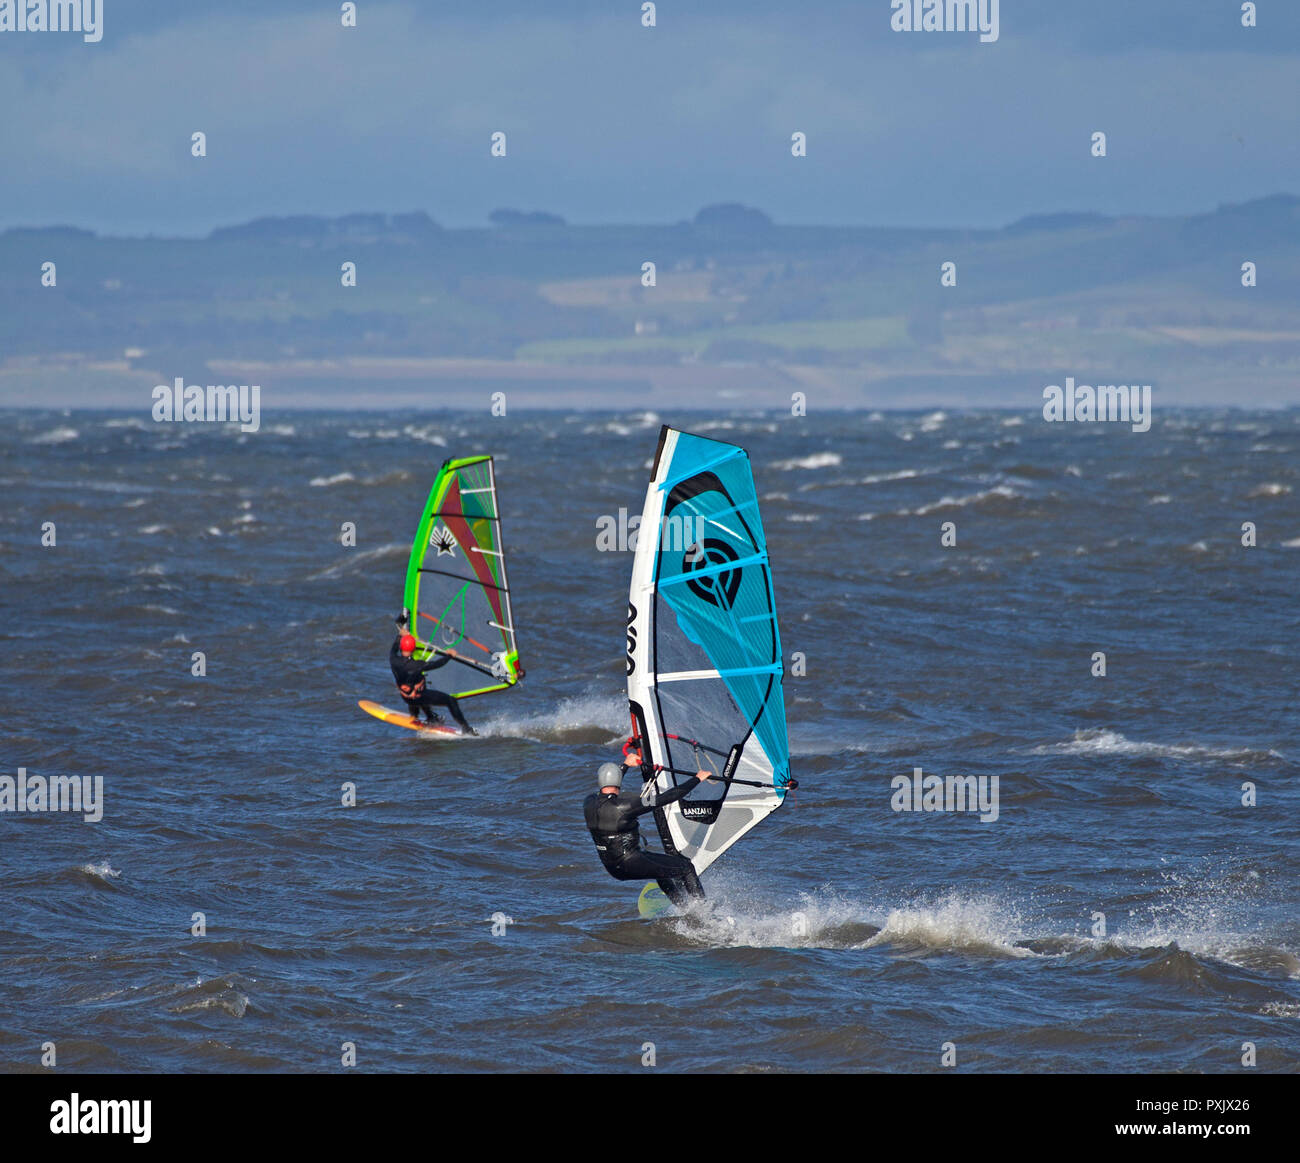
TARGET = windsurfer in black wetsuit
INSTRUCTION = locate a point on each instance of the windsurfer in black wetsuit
(612, 820)
(409, 673)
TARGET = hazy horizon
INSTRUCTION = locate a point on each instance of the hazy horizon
(486, 224)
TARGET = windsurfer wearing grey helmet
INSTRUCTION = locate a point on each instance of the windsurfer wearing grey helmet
(612, 820)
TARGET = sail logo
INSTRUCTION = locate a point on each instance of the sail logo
(619, 534)
(83, 16)
(717, 588)
(631, 638)
(707, 811)
(955, 793)
(61, 793)
(443, 542)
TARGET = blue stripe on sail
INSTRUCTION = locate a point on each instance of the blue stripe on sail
(699, 466)
(710, 570)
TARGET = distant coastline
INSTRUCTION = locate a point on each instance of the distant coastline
(727, 310)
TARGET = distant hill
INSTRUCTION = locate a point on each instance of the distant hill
(305, 229)
(1257, 223)
(523, 218)
(1035, 223)
(1129, 296)
(63, 232)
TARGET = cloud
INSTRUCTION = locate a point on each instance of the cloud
(610, 121)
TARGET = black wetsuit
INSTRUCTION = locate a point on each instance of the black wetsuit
(612, 821)
(409, 674)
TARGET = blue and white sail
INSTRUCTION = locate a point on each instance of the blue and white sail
(704, 664)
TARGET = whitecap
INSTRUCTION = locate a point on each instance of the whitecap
(56, 436)
(813, 460)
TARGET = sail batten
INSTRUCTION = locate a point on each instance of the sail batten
(710, 570)
(673, 482)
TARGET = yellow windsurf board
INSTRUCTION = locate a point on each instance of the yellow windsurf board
(652, 901)
(403, 719)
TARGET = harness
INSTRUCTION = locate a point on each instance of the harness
(613, 846)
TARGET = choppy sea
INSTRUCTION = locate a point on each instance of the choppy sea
(1132, 908)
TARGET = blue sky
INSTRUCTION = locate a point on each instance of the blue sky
(611, 122)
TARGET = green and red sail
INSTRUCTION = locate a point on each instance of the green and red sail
(456, 587)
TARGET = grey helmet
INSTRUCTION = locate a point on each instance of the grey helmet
(609, 775)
